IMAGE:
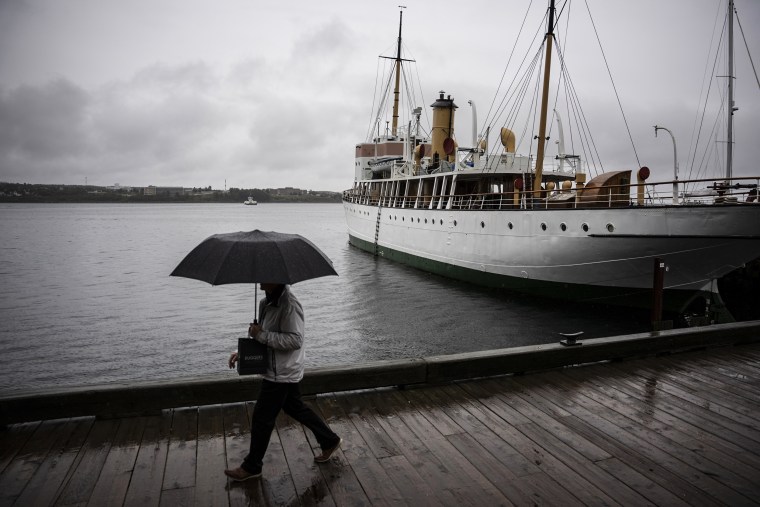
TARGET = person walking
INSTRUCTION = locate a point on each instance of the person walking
(282, 330)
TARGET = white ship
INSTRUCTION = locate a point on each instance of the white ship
(539, 225)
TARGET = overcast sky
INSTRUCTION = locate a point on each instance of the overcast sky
(273, 94)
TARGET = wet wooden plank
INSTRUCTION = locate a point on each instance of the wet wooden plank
(703, 424)
(744, 358)
(178, 497)
(510, 392)
(48, 479)
(85, 469)
(717, 392)
(370, 475)
(276, 482)
(12, 439)
(729, 376)
(291, 471)
(237, 434)
(655, 476)
(181, 455)
(432, 472)
(113, 481)
(721, 403)
(400, 471)
(683, 462)
(718, 456)
(341, 479)
(607, 436)
(376, 439)
(708, 418)
(480, 423)
(632, 478)
(148, 474)
(210, 481)
(584, 491)
(427, 401)
(465, 481)
(414, 491)
(28, 457)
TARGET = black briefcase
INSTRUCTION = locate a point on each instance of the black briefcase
(253, 357)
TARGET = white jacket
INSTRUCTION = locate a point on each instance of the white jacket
(282, 330)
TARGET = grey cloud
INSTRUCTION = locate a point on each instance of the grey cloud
(43, 122)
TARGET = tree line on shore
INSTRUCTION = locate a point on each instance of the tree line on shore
(27, 192)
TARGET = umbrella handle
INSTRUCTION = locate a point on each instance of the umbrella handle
(255, 303)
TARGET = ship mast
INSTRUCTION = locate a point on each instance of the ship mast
(396, 91)
(731, 108)
(544, 104)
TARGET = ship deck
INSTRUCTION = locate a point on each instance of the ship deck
(672, 430)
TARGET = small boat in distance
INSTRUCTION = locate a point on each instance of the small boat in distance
(534, 223)
(250, 202)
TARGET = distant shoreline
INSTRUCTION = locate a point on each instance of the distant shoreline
(52, 193)
(5, 200)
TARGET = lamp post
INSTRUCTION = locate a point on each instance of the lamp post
(675, 161)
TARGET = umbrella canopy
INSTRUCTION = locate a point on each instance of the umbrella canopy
(255, 257)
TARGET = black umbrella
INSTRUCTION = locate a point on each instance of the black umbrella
(253, 257)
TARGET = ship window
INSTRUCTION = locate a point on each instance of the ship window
(543, 226)
(455, 223)
(482, 224)
(426, 220)
(584, 227)
(418, 219)
(402, 219)
(610, 228)
(509, 224)
(441, 221)
(563, 226)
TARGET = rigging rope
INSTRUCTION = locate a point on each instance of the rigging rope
(506, 67)
(747, 46)
(609, 72)
(694, 143)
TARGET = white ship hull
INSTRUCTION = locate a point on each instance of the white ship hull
(611, 262)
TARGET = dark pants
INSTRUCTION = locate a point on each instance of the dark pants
(273, 397)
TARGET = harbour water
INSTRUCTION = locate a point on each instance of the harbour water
(86, 298)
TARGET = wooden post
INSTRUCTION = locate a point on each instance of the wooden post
(657, 288)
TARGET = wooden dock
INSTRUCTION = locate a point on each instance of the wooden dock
(682, 429)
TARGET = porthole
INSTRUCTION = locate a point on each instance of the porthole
(426, 220)
(455, 223)
(610, 228)
(482, 225)
(402, 219)
(563, 226)
(418, 219)
(509, 224)
(543, 226)
(441, 221)
(584, 227)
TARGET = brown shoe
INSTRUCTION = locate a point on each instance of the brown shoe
(326, 453)
(239, 474)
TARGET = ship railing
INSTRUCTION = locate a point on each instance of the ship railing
(739, 191)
